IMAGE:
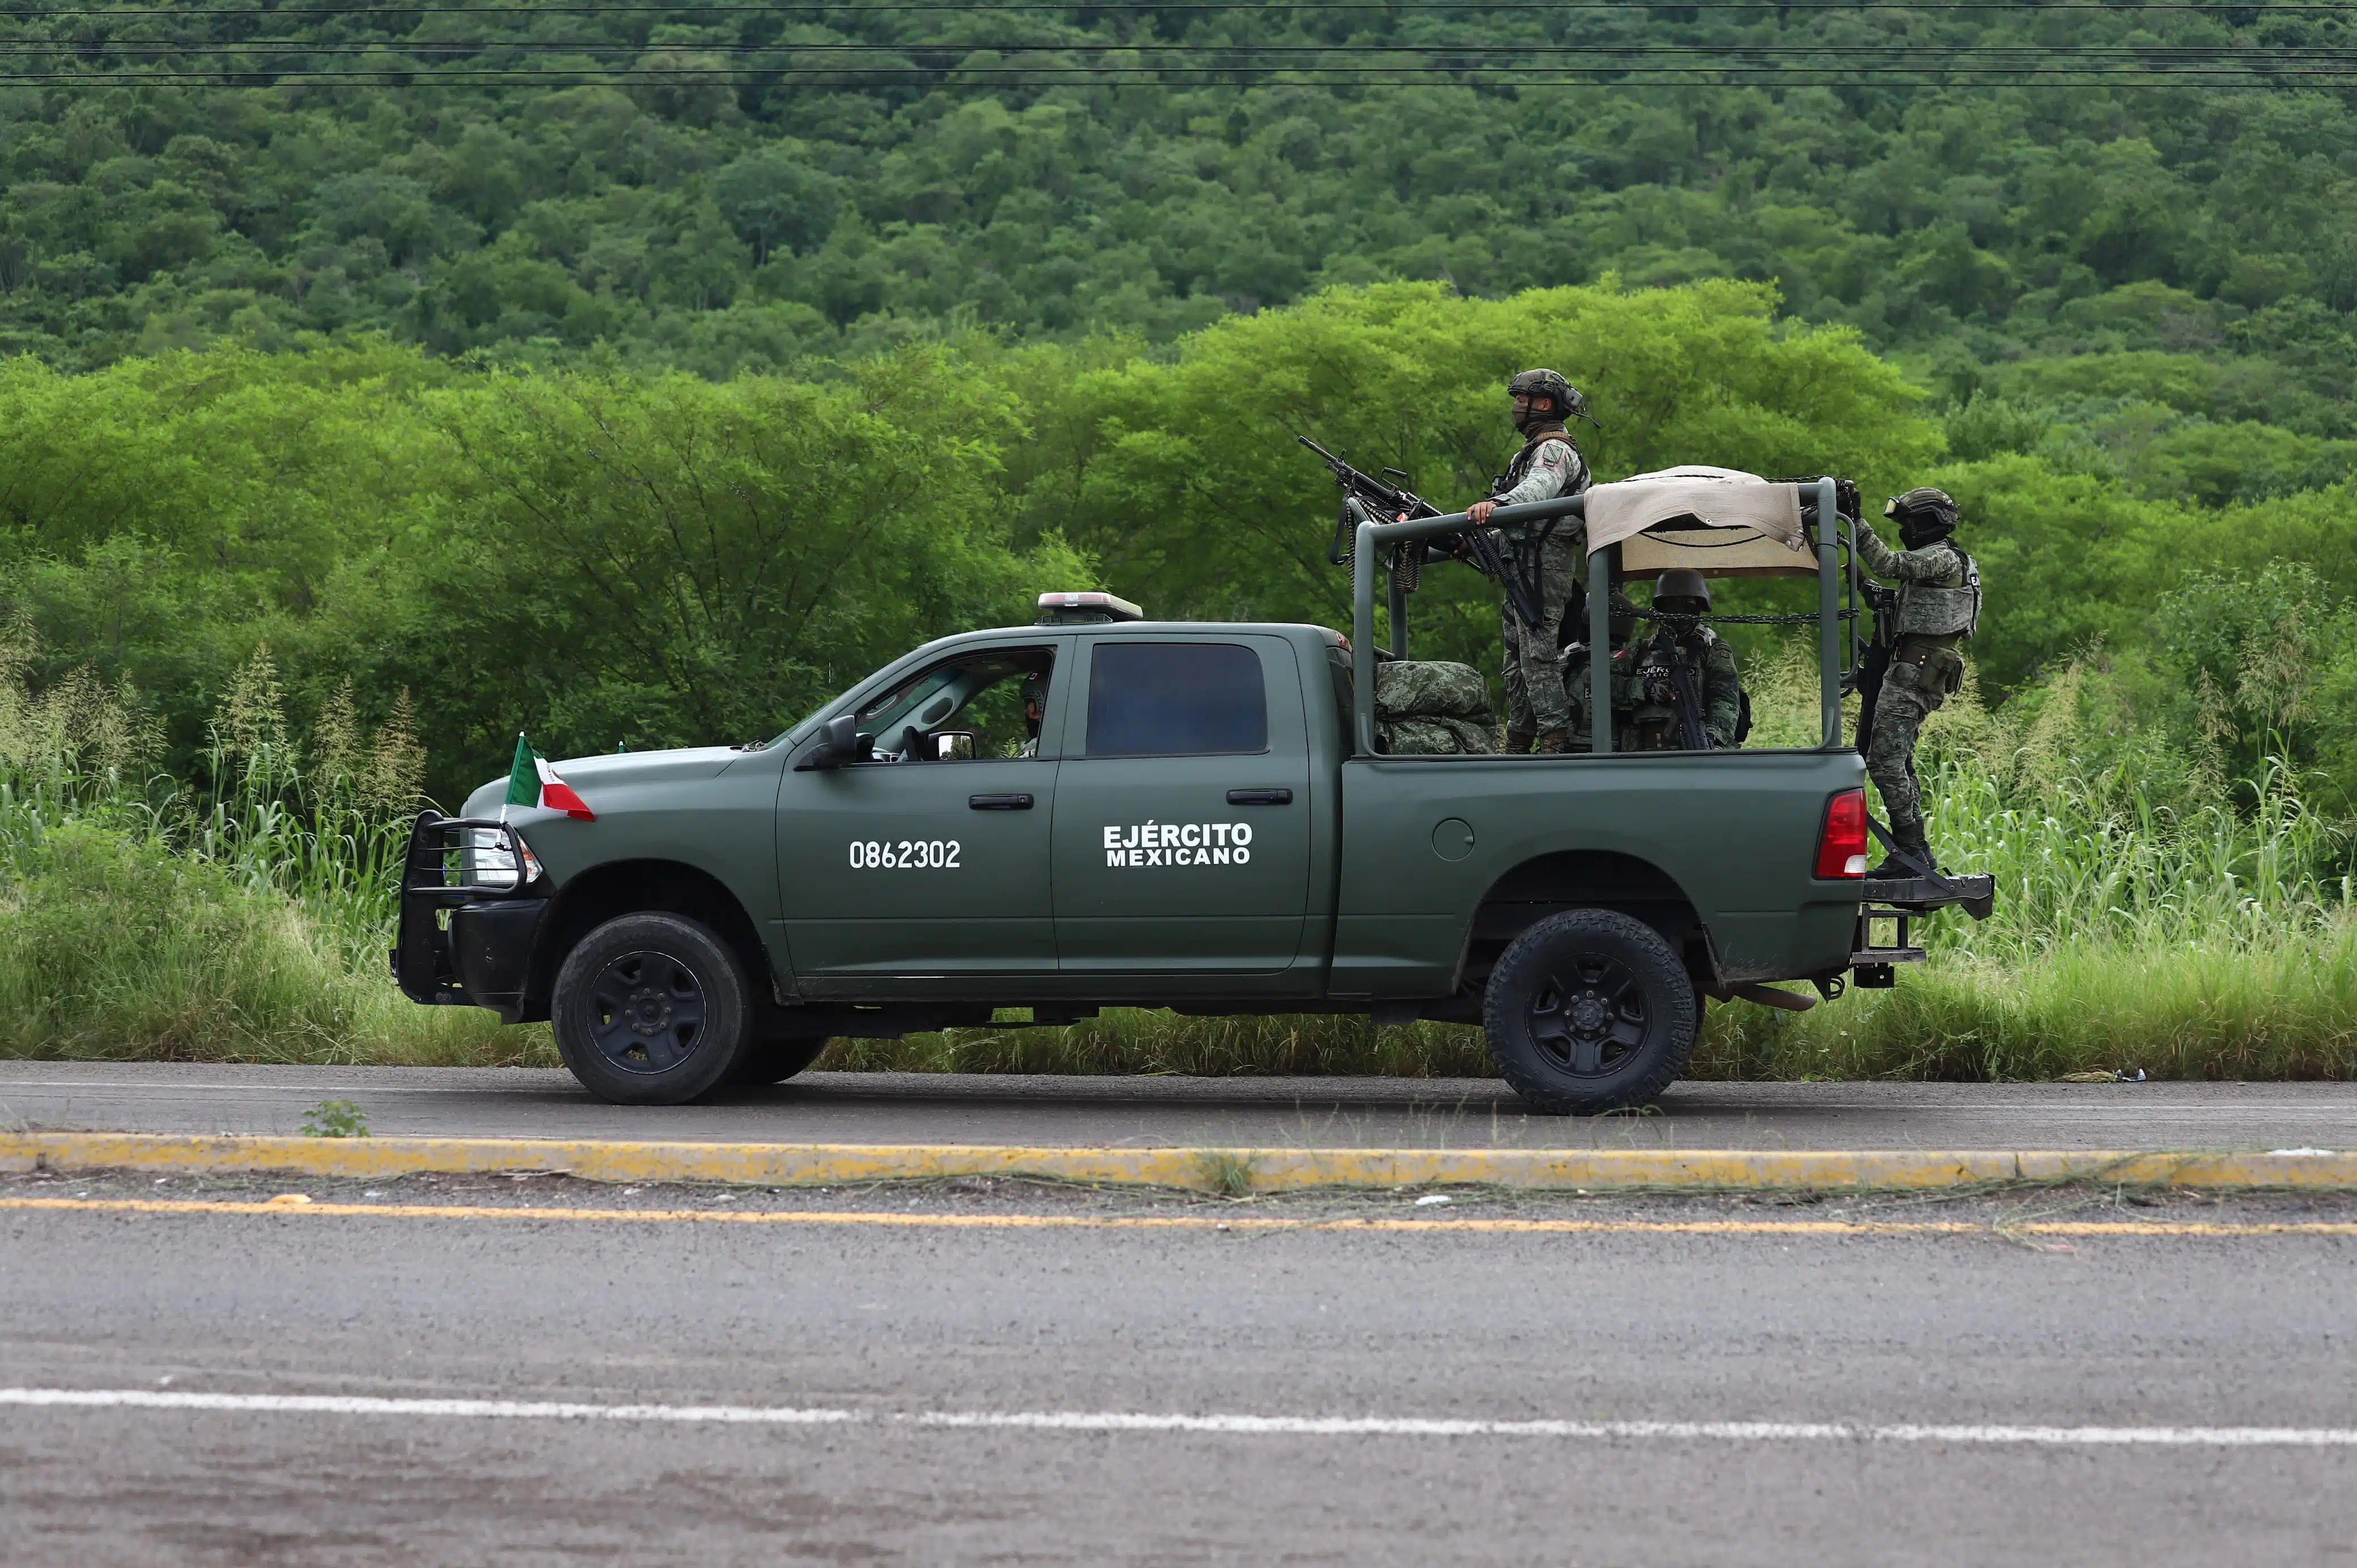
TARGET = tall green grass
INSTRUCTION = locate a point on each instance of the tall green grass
(246, 919)
(2152, 914)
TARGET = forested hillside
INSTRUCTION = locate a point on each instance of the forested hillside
(721, 187)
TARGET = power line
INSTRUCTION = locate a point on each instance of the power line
(2260, 8)
(2151, 54)
(2305, 77)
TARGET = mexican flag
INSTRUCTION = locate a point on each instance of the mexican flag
(533, 782)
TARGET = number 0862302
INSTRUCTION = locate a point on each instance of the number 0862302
(909, 854)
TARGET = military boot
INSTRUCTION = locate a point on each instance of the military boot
(1517, 741)
(1909, 837)
(1555, 740)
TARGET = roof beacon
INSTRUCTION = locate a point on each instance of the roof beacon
(1085, 609)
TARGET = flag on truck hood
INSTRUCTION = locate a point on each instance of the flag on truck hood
(533, 782)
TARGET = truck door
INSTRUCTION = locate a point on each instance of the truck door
(1182, 811)
(929, 855)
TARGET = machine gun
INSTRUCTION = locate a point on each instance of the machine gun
(1368, 498)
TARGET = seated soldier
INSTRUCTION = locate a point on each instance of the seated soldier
(1683, 688)
(1574, 663)
(1035, 711)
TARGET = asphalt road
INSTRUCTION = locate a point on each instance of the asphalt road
(965, 1384)
(884, 1107)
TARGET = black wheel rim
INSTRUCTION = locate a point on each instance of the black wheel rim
(1589, 1017)
(646, 1012)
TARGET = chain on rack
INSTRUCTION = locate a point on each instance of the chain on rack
(1805, 617)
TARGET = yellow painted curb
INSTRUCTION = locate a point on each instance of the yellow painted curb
(1260, 1170)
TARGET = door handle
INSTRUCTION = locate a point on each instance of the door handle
(999, 802)
(1260, 797)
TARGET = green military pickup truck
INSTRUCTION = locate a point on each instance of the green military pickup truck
(1101, 810)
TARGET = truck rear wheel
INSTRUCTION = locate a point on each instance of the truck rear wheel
(1589, 1011)
(651, 1010)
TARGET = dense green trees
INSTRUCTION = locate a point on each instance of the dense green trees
(794, 198)
(463, 421)
(1182, 476)
(656, 559)
(647, 562)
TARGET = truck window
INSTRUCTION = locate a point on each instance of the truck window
(1175, 699)
(977, 707)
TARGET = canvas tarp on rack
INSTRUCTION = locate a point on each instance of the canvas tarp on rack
(1721, 521)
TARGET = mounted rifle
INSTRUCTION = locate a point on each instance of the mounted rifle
(1370, 499)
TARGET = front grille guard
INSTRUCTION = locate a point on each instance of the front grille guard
(435, 873)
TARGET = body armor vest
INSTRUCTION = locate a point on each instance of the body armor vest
(1519, 468)
(1948, 609)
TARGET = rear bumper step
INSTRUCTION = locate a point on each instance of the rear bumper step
(1976, 896)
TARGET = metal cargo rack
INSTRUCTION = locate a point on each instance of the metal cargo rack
(1832, 558)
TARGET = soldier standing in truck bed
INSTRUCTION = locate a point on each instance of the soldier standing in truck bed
(1549, 556)
(1939, 607)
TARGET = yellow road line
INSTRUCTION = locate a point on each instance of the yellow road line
(295, 1204)
(1263, 1170)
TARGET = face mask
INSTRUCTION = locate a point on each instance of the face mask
(1916, 531)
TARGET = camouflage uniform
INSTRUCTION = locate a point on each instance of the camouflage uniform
(1705, 654)
(1432, 707)
(1554, 556)
(1575, 684)
(1939, 606)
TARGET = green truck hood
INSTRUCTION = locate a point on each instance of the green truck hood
(634, 772)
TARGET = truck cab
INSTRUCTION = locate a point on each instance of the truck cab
(1104, 809)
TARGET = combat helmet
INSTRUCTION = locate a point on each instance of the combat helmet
(1682, 583)
(1569, 404)
(1923, 514)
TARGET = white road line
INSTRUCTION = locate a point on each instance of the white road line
(343, 1404)
(1226, 1425)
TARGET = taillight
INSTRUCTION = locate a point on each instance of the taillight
(1841, 848)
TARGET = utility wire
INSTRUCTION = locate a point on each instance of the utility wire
(1279, 57)
(1598, 76)
(2002, 54)
(2261, 8)
(1118, 10)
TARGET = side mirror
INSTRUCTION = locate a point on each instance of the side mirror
(952, 745)
(839, 744)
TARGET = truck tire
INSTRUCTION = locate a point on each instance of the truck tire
(651, 1010)
(1589, 1010)
(777, 1059)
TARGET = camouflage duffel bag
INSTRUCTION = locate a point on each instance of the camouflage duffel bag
(1430, 708)
(1434, 738)
(1431, 689)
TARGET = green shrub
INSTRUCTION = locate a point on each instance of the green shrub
(118, 945)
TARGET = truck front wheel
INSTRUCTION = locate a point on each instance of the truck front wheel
(651, 1010)
(1589, 1010)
